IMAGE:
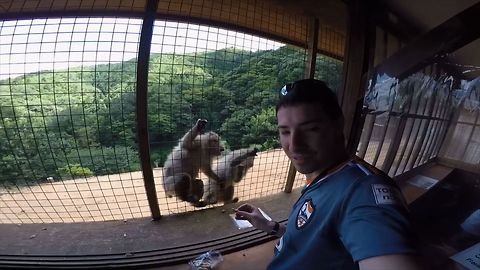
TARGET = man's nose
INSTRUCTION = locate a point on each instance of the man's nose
(297, 141)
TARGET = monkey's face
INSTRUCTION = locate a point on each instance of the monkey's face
(215, 146)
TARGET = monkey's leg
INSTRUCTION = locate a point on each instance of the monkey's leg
(228, 195)
(197, 190)
(211, 197)
(182, 187)
(169, 186)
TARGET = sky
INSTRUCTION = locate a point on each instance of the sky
(58, 43)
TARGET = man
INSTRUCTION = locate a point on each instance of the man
(349, 216)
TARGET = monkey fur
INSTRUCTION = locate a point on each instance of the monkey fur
(194, 152)
(230, 169)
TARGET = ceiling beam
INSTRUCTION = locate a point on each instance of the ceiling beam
(393, 22)
(449, 36)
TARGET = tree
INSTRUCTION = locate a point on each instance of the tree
(82, 121)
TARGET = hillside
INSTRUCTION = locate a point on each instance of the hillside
(81, 121)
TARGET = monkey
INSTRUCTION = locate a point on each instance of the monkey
(230, 169)
(194, 152)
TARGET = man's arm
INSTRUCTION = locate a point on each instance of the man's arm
(391, 262)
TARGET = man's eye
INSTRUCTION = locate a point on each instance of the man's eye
(311, 128)
(284, 132)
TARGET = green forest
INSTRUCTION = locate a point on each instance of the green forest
(81, 121)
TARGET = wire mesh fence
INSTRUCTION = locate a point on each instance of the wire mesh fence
(66, 129)
(405, 122)
(463, 142)
(68, 133)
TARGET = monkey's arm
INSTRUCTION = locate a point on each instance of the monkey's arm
(210, 173)
(187, 140)
(237, 160)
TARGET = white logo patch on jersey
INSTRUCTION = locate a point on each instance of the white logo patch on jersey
(306, 211)
(385, 194)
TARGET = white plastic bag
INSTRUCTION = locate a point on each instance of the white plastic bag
(206, 261)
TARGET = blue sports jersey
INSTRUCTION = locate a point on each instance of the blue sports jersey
(350, 215)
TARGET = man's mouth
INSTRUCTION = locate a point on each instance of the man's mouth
(300, 158)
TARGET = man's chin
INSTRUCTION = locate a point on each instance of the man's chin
(303, 169)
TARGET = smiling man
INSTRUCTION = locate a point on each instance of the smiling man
(350, 215)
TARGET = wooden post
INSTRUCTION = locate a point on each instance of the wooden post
(355, 68)
(142, 110)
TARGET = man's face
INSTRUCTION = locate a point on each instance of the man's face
(308, 138)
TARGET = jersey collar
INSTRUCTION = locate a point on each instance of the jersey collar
(329, 171)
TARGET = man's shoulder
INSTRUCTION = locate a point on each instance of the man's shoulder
(371, 174)
(374, 187)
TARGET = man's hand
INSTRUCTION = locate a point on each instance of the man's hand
(254, 216)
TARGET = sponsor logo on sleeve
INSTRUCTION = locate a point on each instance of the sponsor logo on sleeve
(305, 213)
(385, 194)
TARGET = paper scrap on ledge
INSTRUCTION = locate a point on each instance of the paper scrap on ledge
(243, 224)
(470, 257)
(422, 181)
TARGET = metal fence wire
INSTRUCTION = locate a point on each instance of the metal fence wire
(68, 131)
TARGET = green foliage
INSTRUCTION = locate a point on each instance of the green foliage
(330, 71)
(82, 121)
(106, 160)
(262, 130)
(73, 171)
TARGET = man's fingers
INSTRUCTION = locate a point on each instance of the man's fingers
(240, 218)
(242, 215)
(245, 208)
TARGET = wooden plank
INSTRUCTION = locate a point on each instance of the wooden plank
(411, 192)
(474, 168)
(449, 36)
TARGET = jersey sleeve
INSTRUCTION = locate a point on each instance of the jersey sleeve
(374, 219)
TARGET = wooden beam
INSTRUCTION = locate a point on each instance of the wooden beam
(449, 36)
(355, 67)
(312, 49)
(142, 108)
(393, 22)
